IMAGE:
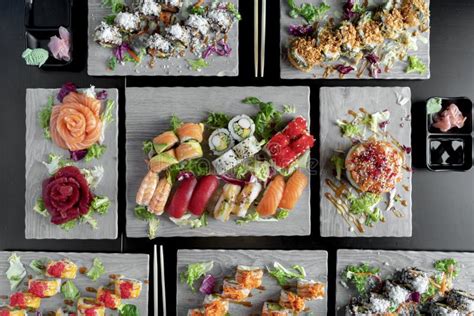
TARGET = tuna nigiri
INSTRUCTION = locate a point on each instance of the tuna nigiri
(181, 197)
(189, 150)
(272, 197)
(246, 197)
(160, 197)
(293, 190)
(164, 141)
(162, 161)
(205, 188)
(147, 188)
(226, 202)
(190, 131)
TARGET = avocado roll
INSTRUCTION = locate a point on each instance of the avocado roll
(108, 298)
(26, 300)
(461, 300)
(291, 301)
(247, 148)
(241, 127)
(87, 306)
(310, 290)
(226, 202)
(249, 277)
(162, 161)
(413, 279)
(220, 141)
(234, 291)
(63, 269)
(274, 309)
(44, 288)
(127, 288)
(246, 197)
(226, 162)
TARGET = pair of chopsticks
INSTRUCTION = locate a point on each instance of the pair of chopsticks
(259, 59)
(155, 281)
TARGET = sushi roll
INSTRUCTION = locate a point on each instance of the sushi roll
(378, 304)
(220, 141)
(276, 144)
(241, 127)
(63, 269)
(413, 279)
(329, 43)
(226, 202)
(148, 7)
(246, 197)
(234, 291)
(162, 161)
(440, 309)
(107, 35)
(87, 306)
(196, 312)
(369, 31)
(9, 311)
(190, 131)
(189, 150)
(178, 34)
(159, 46)
(179, 203)
(226, 162)
(247, 148)
(271, 198)
(461, 300)
(26, 300)
(273, 309)
(303, 55)
(203, 192)
(358, 306)
(297, 127)
(215, 305)
(310, 290)
(164, 141)
(397, 294)
(198, 24)
(147, 188)
(44, 288)
(291, 301)
(249, 277)
(221, 19)
(128, 22)
(284, 158)
(160, 197)
(108, 298)
(293, 190)
(127, 288)
(302, 144)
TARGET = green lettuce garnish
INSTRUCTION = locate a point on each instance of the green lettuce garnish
(175, 122)
(350, 130)
(282, 214)
(232, 9)
(199, 167)
(40, 208)
(89, 219)
(289, 109)
(194, 272)
(197, 9)
(283, 275)
(433, 105)
(260, 169)
(100, 204)
(95, 152)
(415, 65)
(56, 162)
(112, 63)
(70, 290)
(153, 225)
(186, 220)
(115, 6)
(147, 147)
(359, 275)
(268, 120)
(68, 225)
(338, 163)
(449, 266)
(96, 271)
(217, 120)
(254, 217)
(38, 266)
(44, 116)
(197, 64)
(107, 116)
(308, 11)
(16, 271)
(128, 310)
(93, 175)
(142, 213)
(366, 204)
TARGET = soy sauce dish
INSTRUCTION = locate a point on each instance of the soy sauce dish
(449, 133)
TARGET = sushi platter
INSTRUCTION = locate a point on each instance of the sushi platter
(409, 272)
(47, 150)
(83, 279)
(227, 263)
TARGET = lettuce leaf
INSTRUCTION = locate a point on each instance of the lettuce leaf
(70, 291)
(38, 266)
(16, 271)
(283, 275)
(100, 204)
(40, 208)
(56, 162)
(194, 272)
(308, 11)
(95, 151)
(97, 270)
(44, 117)
(415, 65)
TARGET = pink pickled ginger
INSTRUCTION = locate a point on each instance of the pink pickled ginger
(60, 46)
(449, 118)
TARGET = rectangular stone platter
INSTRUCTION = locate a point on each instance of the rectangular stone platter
(389, 261)
(134, 266)
(148, 112)
(37, 150)
(225, 263)
(287, 71)
(334, 104)
(98, 56)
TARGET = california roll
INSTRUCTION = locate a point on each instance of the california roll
(241, 127)
(226, 162)
(247, 148)
(220, 141)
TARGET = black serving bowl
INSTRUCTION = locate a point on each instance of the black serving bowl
(40, 39)
(47, 14)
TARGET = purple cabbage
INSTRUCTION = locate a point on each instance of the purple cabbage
(207, 285)
(230, 179)
(120, 51)
(347, 10)
(77, 155)
(67, 88)
(300, 30)
(221, 49)
(185, 175)
(372, 58)
(344, 69)
(101, 95)
(407, 149)
(374, 68)
(415, 297)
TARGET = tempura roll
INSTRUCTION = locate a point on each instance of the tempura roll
(310, 290)
(63, 269)
(127, 288)
(25, 300)
(273, 309)
(44, 288)
(249, 277)
(215, 305)
(234, 291)
(291, 301)
(108, 298)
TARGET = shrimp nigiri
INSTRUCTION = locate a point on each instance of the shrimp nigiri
(161, 195)
(272, 197)
(147, 188)
(293, 190)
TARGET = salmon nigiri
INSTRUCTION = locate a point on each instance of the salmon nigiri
(272, 197)
(293, 190)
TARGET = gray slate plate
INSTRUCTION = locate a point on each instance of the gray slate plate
(37, 150)
(225, 263)
(148, 113)
(334, 104)
(389, 261)
(98, 56)
(133, 266)
(287, 71)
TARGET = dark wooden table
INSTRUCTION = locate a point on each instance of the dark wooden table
(443, 203)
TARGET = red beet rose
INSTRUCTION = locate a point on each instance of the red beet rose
(66, 195)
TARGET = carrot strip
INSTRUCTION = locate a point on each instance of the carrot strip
(133, 55)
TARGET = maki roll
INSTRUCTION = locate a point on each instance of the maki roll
(221, 19)
(234, 291)
(26, 300)
(302, 144)
(440, 309)
(247, 148)
(147, 188)
(198, 24)
(303, 55)
(159, 46)
(246, 197)
(241, 127)
(127, 288)
(107, 35)
(189, 150)
(413, 279)
(9, 311)
(395, 293)
(378, 304)
(226, 162)
(108, 298)
(277, 143)
(164, 141)
(162, 161)
(226, 202)
(273, 309)
(369, 31)
(87, 306)
(44, 288)
(249, 277)
(310, 290)
(190, 131)
(329, 43)
(461, 300)
(220, 141)
(216, 306)
(63, 269)
(178, 34)
(128, 22)
(148, 7)
(291, 301)
(296, 128)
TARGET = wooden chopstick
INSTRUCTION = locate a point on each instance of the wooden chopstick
(163, 288)
(263, 38)
(255, 35)
(155, 281)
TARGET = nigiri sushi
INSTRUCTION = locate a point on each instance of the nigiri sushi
(216, 306)
(220, 141)
(226, 162)
(160, 197)
(147, 188)
(246, 197)
(164, 141)
(205, 188)
(25, 301)
(310, 290)
(162, 161)
(293, 190)
(44, 288)
(108, 298)
(127, 288)
(190, 131)
(241, 127)
(247, 148)
(63, 269)
(226, 202)
(181, 197)
(291, 301)
(249, 277)
(234, 291)
(87, 306)
(273, 309)
(188, 150)
(271, 198)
